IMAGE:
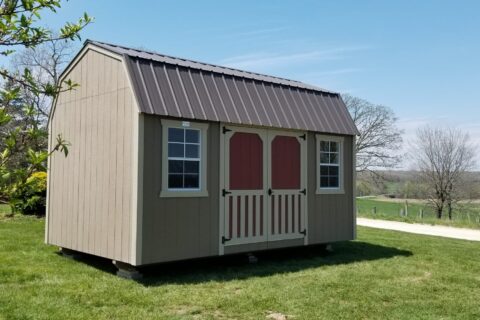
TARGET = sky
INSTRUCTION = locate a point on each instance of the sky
(420, 58)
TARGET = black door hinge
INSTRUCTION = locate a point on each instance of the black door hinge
(225, 192)
(270, 191)
(304, 136)
(225, 239)
(304, 232)
(225, 130)
(304, 191)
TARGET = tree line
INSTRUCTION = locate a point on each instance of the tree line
(442, 157)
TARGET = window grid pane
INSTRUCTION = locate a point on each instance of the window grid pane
(183, 158)
(329, 164)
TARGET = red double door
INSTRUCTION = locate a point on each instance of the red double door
(263, 195)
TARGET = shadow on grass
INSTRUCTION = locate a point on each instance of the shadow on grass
(269, 263)
(96, 262)
(272, 262)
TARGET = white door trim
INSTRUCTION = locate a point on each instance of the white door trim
(244, 195)
(267, 137)
(302, 139)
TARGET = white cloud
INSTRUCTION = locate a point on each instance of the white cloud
(262, 60)
(336, 72)
(260, 32)
(332, 79)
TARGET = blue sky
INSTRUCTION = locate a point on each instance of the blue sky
(421, 58)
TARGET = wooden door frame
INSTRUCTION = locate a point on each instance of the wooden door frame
(302, 137)
(224, 175)
(267, 136)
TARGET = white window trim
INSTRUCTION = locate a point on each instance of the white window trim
(340, 189)
(178, 193)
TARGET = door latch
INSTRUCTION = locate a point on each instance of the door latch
(225, 239)
(304, 191)
(225, 192)
(270, 191)
(304, 232)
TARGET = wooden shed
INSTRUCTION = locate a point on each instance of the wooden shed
(173, 159)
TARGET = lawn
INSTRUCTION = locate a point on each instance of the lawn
(382, 275)
(468, 215)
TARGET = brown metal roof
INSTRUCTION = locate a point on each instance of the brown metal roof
(187, 89)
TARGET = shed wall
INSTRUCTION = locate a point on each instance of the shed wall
(90, 190)
(185, 228)
(330, 216)
(178, 228)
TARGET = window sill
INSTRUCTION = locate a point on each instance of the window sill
(183, 194)
(330, 191)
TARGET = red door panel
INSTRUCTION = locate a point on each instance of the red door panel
(246, 161)
(285, 163)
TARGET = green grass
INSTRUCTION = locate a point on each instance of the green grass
(468, 216)
(4, 210)
(382, 275)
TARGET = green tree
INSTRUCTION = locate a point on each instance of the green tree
(22, 155)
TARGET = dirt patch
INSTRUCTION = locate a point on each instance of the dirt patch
(417, 279)
(187, 310)
(276, 316)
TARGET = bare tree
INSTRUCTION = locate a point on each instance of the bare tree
(45, 62)
(380, 138)
(443, 157)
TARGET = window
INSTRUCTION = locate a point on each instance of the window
(183, 158)
(184, 161)
(329, 155)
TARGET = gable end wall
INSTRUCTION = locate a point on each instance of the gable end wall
(90, 192)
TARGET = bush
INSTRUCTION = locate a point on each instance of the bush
(29, 197)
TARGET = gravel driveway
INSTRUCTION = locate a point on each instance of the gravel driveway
(440, 231)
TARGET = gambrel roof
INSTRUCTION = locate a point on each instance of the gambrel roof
(188, 89)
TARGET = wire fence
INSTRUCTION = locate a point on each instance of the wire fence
(467, 214)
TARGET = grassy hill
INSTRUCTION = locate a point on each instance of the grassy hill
(382, 275)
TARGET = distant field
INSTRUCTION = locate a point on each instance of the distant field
(468, 215)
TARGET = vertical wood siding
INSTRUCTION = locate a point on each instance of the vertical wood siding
(90, 191)
(245, 217)
(286, 214)
(178, 228)
(330, 216)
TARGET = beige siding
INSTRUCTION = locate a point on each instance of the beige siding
(178, 228)
(330, 216)
(185, 228)
(90, 191)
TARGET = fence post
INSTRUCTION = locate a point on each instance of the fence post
(374, 210)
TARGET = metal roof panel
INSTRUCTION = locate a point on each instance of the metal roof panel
(182, 88)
